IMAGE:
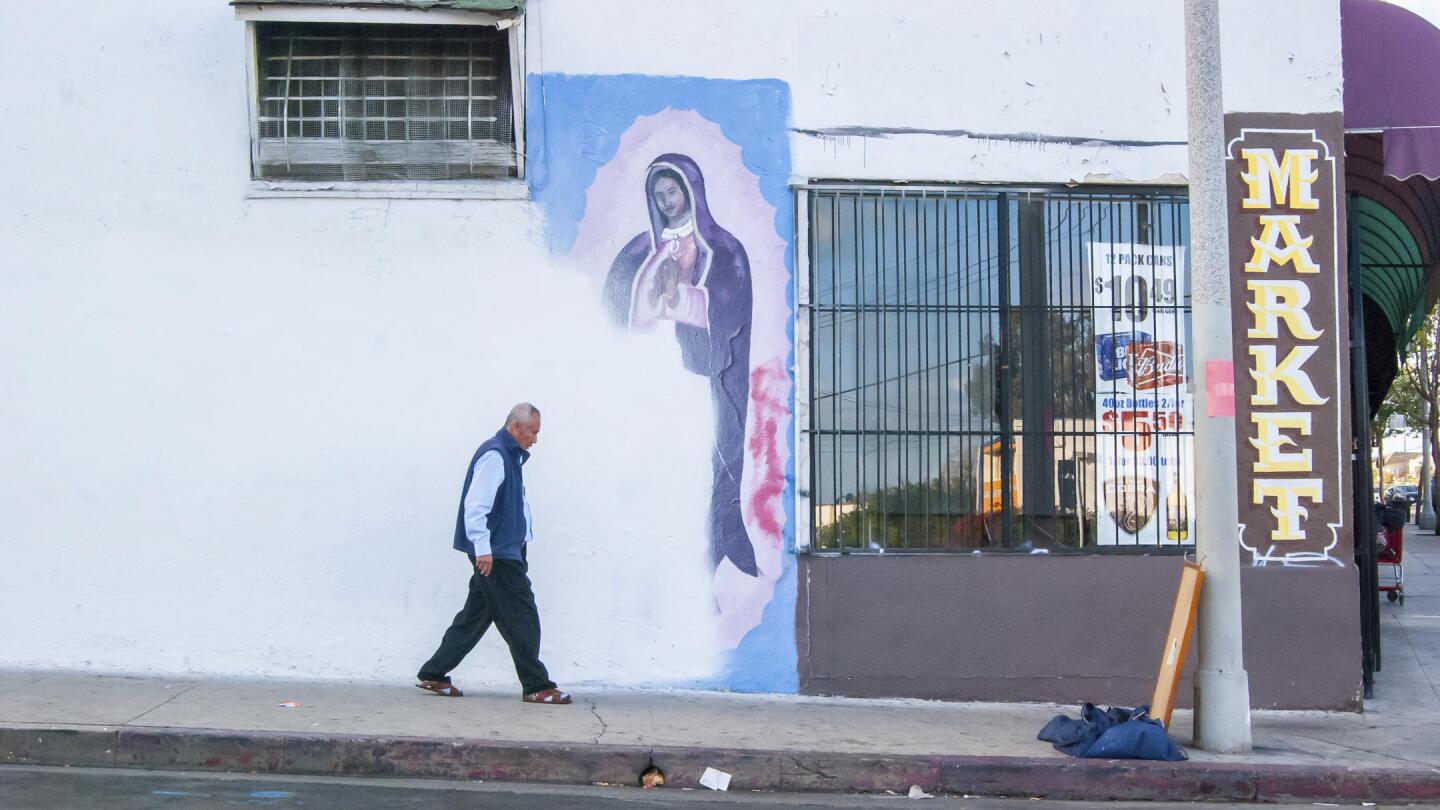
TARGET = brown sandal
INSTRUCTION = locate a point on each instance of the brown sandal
(551, 696)
(443, 688)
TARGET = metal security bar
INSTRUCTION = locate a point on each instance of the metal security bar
(997, 369)
(383, 102)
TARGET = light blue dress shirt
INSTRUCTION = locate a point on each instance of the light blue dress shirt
(480, 499)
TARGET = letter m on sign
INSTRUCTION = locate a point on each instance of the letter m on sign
(1287, 180)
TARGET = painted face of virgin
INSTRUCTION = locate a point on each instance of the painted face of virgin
(670, 199)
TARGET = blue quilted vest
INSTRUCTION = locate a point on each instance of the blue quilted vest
(507, 517)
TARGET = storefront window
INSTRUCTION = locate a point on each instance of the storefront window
(998, 369)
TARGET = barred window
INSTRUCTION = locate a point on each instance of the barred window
(358, 102)
(993, 369)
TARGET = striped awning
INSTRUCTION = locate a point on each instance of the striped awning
(1392, 270)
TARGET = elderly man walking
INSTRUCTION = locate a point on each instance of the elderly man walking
(493, 529)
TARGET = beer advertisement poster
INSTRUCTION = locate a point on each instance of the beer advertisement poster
(1142, 403)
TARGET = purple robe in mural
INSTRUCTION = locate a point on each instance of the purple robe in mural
(693, 272)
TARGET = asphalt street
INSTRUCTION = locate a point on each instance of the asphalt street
(33, 788)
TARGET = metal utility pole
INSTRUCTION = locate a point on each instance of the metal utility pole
(1222, 687)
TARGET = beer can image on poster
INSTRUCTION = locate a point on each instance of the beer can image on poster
(1156, 364)
(1112, 353)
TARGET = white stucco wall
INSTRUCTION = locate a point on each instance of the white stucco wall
(234, 429)
(1019, 91)
(1281, 55)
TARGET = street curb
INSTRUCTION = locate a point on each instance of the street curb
(174, 749)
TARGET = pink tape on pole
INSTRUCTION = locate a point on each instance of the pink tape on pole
(1220, 388)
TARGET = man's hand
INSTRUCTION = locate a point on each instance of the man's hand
(484, 563)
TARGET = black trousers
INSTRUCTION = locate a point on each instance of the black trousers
(504, 599)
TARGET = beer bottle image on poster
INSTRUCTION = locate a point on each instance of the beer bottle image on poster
(1142, 403)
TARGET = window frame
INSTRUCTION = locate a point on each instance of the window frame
(511, 188)
(802, 297)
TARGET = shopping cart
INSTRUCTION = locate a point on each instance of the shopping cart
(1389, 558)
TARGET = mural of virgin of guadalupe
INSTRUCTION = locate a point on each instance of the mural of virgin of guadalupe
(692, 272)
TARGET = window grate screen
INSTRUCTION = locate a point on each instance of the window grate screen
(355, 102)
(996, 369)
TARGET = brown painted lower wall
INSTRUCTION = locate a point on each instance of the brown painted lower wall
(1059, 628)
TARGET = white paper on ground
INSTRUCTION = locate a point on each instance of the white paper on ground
(715, 780)
(917, 792)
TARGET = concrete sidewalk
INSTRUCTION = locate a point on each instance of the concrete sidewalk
(1389, 753)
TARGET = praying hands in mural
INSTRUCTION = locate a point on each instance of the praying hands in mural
(666, 288)
(689, 271)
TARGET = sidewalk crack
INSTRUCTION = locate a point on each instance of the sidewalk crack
(156, 708)
(604, 727)
(817, 772)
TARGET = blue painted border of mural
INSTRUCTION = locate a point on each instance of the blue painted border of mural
(578, 119)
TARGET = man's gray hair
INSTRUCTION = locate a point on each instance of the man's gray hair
(522, 411)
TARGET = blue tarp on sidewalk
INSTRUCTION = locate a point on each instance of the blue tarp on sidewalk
(1115, 733)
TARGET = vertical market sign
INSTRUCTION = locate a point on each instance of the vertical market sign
(1142, 399)
(1287, 282)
